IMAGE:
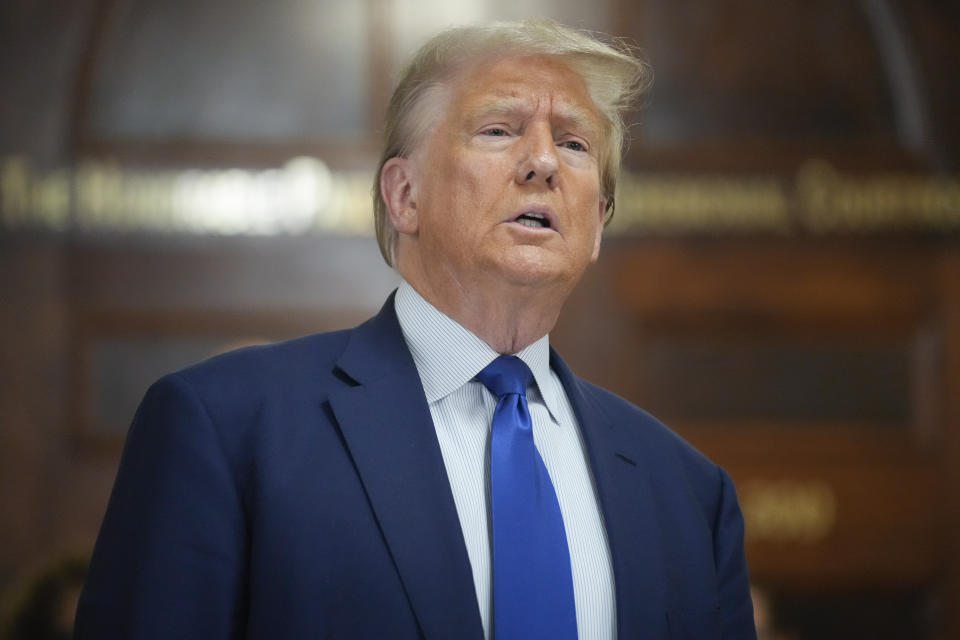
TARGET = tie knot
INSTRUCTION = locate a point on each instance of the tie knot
(506, 374)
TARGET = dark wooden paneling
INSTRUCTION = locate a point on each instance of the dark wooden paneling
(753, 86)
(741, 69)
(40, 43)
(223, 273)
(775, 377)
(144, 307)
(950, 280)
(932, 25)
(33, 340)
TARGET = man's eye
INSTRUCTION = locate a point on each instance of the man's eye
(495, 131)
(573, 145)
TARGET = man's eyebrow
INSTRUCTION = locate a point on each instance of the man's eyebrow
(578, 119)
(574, 117)
(501, 106)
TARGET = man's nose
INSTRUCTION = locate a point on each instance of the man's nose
(538, 161)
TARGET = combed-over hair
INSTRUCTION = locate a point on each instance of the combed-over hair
(614, 75)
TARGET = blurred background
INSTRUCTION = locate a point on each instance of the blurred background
(780, 284)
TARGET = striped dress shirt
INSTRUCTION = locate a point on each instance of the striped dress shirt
(447, 357)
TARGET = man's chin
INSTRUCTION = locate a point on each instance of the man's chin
(521, 271)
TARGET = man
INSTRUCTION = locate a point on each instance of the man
(410, 478)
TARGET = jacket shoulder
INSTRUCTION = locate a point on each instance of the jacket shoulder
(651, 435)
(270, 364)
(237, 385)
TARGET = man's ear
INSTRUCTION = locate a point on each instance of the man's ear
(596, 241)
(398, 189)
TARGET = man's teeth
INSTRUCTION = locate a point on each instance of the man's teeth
(533, 220)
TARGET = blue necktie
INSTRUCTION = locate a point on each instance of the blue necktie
(532, 585)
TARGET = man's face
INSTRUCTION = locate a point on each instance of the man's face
(507, 185)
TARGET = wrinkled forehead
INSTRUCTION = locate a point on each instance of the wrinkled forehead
(514, 84)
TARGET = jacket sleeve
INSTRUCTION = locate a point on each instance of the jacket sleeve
(736, 607)
(170, 558)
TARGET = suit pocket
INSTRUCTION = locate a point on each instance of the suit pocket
(694, 624)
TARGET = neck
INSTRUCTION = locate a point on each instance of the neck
(507, 316)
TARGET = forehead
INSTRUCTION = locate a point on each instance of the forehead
(524, 83)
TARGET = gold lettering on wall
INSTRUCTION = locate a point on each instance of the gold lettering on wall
(29, 199)
(788, 510)
(677, 204)
(820, 200)
(835, 203)
(304, 196)
(301, 197)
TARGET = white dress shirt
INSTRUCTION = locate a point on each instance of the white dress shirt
(447, 357)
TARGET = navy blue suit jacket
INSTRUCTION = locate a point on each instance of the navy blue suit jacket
(297, 491)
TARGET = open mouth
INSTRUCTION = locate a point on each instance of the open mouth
(535, 220)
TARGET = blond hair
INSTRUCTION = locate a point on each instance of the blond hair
(614, 76)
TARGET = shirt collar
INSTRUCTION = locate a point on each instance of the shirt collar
(448, 355)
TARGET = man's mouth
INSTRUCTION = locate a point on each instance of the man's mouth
(535, 220)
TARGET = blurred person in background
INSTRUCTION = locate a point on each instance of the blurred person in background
(437, 472)
(764, 617)
(44, 608)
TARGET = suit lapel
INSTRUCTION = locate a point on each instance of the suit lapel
(620, 469)
(387, 427)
